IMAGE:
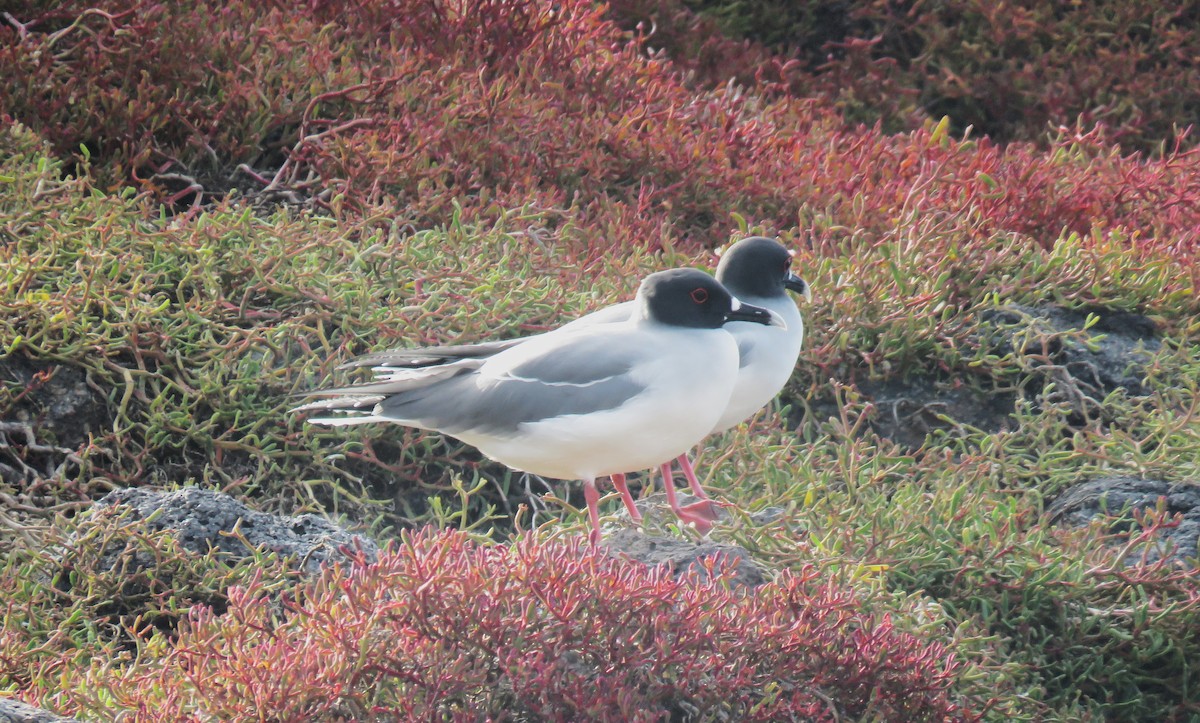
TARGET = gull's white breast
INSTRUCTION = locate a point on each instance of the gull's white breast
(771, 354)
(689, 376)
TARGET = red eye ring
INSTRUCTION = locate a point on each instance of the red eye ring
(699, 295)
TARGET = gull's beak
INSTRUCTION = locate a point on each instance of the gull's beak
(799, 285)
(754, 314)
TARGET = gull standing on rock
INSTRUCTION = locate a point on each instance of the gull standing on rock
(583, 401)
(756, 270)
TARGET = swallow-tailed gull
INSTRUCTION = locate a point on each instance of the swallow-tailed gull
(580, 402)
(756, 270)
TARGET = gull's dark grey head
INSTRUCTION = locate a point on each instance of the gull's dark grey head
(759, 267)
(692, 298)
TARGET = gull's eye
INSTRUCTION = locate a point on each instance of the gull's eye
(699, 295)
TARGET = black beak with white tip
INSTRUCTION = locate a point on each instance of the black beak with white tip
(755, 314)
(799, 285)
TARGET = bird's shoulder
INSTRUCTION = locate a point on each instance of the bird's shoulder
(616, 313)
(566, 356)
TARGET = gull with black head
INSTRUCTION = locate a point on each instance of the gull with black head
(756, 270)
(579, 402)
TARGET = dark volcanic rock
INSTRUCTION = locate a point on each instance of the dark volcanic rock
(14, 711)
(60, 405)
(907, 410)
(42, 431)
(1109, 355)
(1058, 362)
(1114, 498)
(683, 557)
(203, 520)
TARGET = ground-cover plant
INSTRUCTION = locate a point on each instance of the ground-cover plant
(165, 95)
(188, 337)
(95, 589)
(178, 345)
(427, 108)
(1012, 72)
(1049, 615)
(445, 628)
(1084, 622)
(419, 174)
(1060, 624)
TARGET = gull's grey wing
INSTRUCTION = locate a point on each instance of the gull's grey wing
(746, 350)
(580, 376)
(449, 353)
(431, 355)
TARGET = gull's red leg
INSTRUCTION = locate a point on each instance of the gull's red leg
(685, 464)
(688, 516)
(618, 481)
(592, 495)
(706, 505)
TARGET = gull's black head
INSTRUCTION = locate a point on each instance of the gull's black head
(759, 267)
(692, 298)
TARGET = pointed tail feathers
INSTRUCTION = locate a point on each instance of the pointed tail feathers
(358, 402)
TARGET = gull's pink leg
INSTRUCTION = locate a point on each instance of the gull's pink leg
(702, 523)
(685, 464)
(618, 481)
(705, 507)
(592, 495)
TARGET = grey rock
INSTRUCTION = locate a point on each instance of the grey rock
(62, 409)
(14, 711)
(204, 519)
(684, 558)
(1109, 355)
(1114, 498)
(1058, 362)
(906, 410)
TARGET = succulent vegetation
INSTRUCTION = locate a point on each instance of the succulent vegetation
(206, 207)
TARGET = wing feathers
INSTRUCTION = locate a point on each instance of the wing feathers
(430, 355)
